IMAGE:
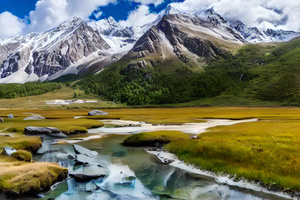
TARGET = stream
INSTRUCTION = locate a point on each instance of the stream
(132, 173)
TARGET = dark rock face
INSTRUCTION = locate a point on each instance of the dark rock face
(85, 177)
(97, 112)
(87, 173)
(181, 36)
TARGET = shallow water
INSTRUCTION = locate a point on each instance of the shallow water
(152, 179)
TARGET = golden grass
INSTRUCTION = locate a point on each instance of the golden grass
(22, 155)
(65, 93)
(19, 178)
(192, 114)
(66, 123)
(264, 151)
(21, 142)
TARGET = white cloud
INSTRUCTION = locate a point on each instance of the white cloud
(139, 17)
(147, 2)
(50, 13)
(261, 13)
(10, 25)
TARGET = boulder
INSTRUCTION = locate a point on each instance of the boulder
(64, 156)
(7, 151)
(87, 173)
(81, 150)
(10, 116)
(97, 112)
(1, 120)
(85, 177)
(49, 131)
(34, 117)
(82, 159)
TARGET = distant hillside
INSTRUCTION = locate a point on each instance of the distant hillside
(266, 72)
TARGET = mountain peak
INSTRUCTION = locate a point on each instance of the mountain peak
(111, 20)
(72, 22)
(211, 11)
(170, 10)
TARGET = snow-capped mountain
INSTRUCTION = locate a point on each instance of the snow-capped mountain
(181, 39)
(75, 45)
(41, 56)
(118, 36)
(113, 33)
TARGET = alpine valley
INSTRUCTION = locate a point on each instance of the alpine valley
(179, 57)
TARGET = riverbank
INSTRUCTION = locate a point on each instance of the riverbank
(263, 151)
(25, 178)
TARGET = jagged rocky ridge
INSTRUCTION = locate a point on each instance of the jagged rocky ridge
(39, 56)
(185, 37)
(74, 46)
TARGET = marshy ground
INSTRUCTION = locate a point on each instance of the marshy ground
(265, 151)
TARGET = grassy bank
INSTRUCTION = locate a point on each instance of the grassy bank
(18, 178)
(64, 120)
(197, 114)
(156, 138)
(263, 151)
(21, 178)
(22, 142)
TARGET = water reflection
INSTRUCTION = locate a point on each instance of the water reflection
(151, 180)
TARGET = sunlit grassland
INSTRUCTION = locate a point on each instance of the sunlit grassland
(62, 119)
(65, 118)
(65, 93)
(265, 151)
(197, 114)
(66, 125)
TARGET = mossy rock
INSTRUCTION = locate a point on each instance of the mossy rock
(20, 179)
(22, 155)
(157, 138)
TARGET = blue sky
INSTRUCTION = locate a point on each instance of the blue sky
(20, 8)
(19, 17)
(118, 10)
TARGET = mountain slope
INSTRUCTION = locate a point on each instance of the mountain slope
(256, 75)
(182, 40)
(40, 56)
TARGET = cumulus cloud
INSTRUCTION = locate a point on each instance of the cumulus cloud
(50, 13)
(260, 13)
(139, 17)
(147, 2)
(10, 25)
